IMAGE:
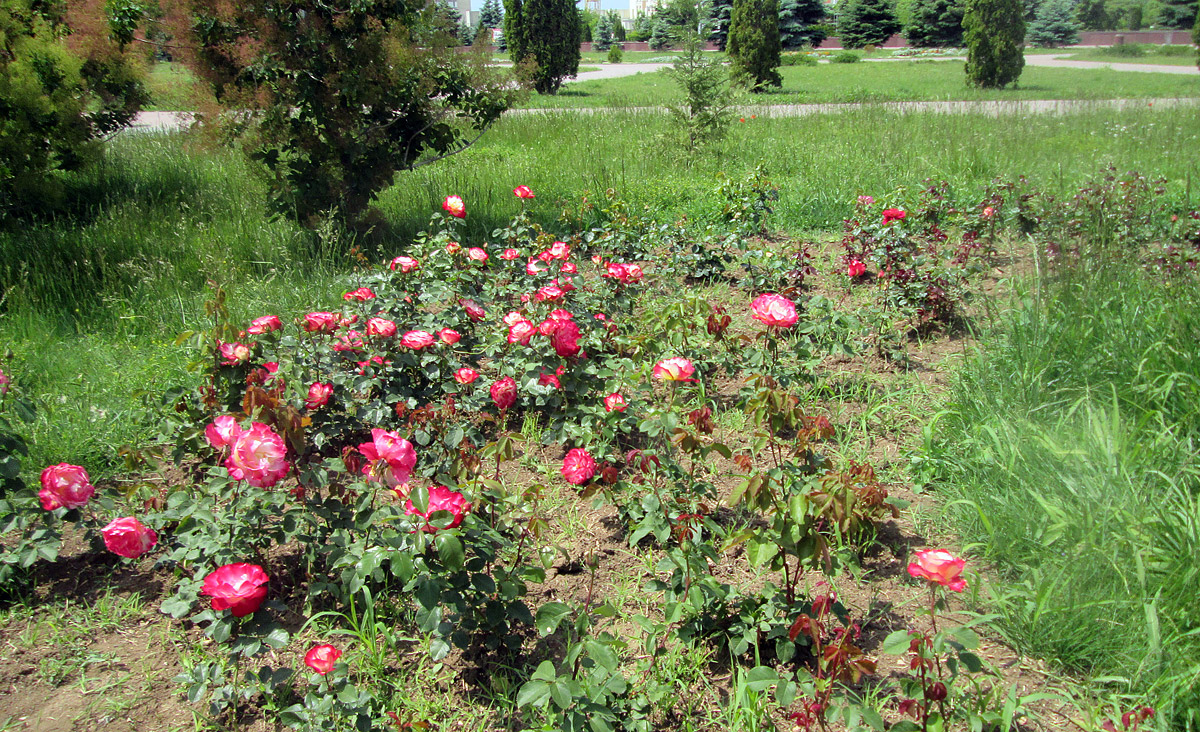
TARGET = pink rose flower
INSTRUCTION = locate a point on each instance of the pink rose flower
(856, 268)
(128, 537)
(512, 318)
(939, 567)
(259, 457)
(392, 458)
(318, 395)
(404, 264)
(362, 294)
(549, 293)
(466, 375)
(65, 486)
(566, 339)
(568, 268)
(322, 658)
(265, 324)
(988, 212)
(417, 339)
(453, 247)
(351, 340)
(504, 393)
(626, 274)
(564, 283)
(522, 192)
(455, 207)
(441, 498)
(233, 353)
(510, 254)
(560, 250)
(545, 379)
(449, 335)
(321, 322)
(532, 268)
(477, 254)
(674, 369)
(892, 214)
(223, 432)
(521, 332)
(865, 200)
(238, 588)
(614, 402)
(578, 466)
(474, 312)
(4, 382)
(381, 327)
(775, 311)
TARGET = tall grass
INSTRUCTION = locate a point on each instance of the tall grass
(1069, 455)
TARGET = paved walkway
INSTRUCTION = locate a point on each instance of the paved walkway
(1057, 60)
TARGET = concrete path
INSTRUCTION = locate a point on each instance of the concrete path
(1058, 61)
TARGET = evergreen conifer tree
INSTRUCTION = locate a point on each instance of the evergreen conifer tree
(865, 22)
(660, 33)
(1177, 13)
(796, 21)
(994, 34)
(935, 23)
(491, 15)
(549, 33)
(604, 34)
(753, 45)
(718, 22)
(1055, 25)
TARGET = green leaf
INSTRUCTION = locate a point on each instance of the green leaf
(561, 694)
(897, 643)
(277, 638)
(971, 661)
(545, 672)
(966, 636)
(450, 550)
(549, 616)
(759, 552)
(761, 678)
(533, 693)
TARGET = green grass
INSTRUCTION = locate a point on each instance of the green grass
(170, 86)
(1136, 53)
(921, 80)
(1068, 457)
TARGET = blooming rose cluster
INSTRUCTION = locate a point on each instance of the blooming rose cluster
(441, 498)
(626, 274)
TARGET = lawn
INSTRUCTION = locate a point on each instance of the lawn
(891, 81)
(1134, 53)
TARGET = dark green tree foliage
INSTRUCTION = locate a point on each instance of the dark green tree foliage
(491, 15)
(1095, 15)
(614, 20)
(1055, 25)
(643, 26)
(1177, 13)
(798, 21)
(753, 45)
(866, 22)
(587, 21)
(344, 94)
(548, 33)
(604, 34)
(66, 81)
(994, 34)
(661, 35)
(936, 23)
(705, 112)
(718, 22)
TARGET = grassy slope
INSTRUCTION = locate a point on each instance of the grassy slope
(1068, 455)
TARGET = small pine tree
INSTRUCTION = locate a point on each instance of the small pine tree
(718, 22)
(865, 22)
(705, 112)
(1177, 13)
(994, 34)
(491, 15)
(797, 21)
(753, 45)
(1055, 25)
(604, 34)
(935, 23)
(660, 34)
(548, 33)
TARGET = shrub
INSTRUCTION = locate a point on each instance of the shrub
(994, 34)
(845, 57)
(548, 32)
(798, 59)
(614, 55)
(387, 92)
(754, 43)
(65, 83)
(865, 22)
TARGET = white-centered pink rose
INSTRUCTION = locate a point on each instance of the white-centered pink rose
(128, 537)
